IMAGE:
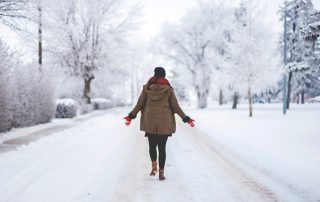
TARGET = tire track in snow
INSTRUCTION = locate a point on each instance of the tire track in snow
(24, 178)
(50, 154)
(255, 190)
(136, 184)
(181, 185)
(299, 193)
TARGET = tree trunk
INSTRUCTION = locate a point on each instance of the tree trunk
(235, 100)
(202, 100)
(269, 97)
(289, 90)
(302, 97)
(40, 36)
(220, 97)
(87, 89)
(250, 102)
(298, 98)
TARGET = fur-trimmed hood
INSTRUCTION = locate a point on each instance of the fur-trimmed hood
(156, 92)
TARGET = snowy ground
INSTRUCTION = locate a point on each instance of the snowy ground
(227, 157)
(23, 136)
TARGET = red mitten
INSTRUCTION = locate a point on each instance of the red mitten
(128, 120)
(190, 122)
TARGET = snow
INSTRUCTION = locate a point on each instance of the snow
(314, 100)
(55, 123)
(226, 157)
(297, 66)
(66, 101)
(101, 100)
(280, 151)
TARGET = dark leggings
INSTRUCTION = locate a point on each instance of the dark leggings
(160, 141)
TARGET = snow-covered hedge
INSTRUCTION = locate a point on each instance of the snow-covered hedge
(5, 106)
(5, 88)
(26, 95)
(101, 103)
(66, 108)
(34, 97)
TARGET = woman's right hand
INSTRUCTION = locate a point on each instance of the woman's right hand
(190, 122)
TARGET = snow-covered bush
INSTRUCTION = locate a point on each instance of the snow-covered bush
(5, 104)
(101, 103)
(33, 97)
(26, 97)
(66, 108)
(5, 96)
(5, 116)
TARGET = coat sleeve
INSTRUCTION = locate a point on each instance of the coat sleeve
(139, 106)
(175, 105)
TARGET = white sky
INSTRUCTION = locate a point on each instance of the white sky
(155, 12)
(158, 11)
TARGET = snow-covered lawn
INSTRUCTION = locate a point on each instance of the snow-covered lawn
(280, 152)
(227, 157)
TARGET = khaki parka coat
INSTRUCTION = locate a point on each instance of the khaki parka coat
(158, 104)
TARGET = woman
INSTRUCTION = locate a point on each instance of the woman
(158, 104)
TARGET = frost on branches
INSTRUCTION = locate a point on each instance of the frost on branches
(6, 64)
(303, 44)
(195, 46)
(253, 56)
(26, 96)
(219, 45)
(87, 32)
(11, 10)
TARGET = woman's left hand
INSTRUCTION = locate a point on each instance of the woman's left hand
(128, 120)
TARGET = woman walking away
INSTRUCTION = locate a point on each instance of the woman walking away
(158, 104)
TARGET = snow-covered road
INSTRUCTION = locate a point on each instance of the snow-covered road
(223, 159)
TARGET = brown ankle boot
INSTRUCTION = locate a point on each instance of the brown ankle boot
(154, 168)
(161, 174)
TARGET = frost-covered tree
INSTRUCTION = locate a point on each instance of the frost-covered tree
(26, 96)
(196, 45)
(234, 80)
(303, 32)
(252, 52)
(311, 37)
(85, 32)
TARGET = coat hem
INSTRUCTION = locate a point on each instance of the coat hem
(150, 134)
